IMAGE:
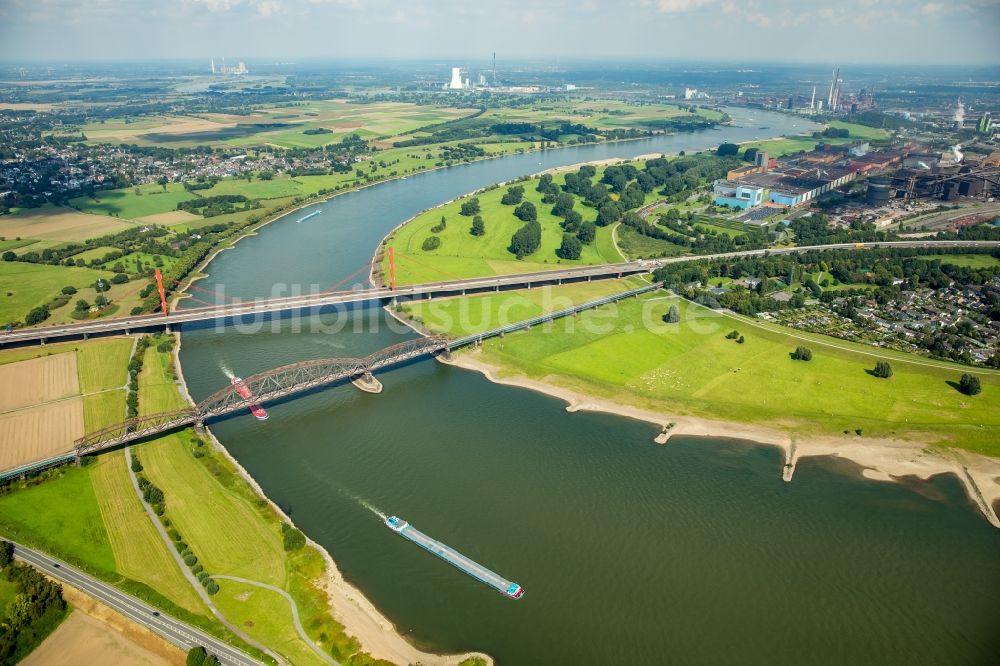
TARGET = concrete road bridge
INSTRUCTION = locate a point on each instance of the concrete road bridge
(241, 310)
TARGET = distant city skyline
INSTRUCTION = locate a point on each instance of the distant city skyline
(851, 31)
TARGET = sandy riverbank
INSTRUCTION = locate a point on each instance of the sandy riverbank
(881, 459)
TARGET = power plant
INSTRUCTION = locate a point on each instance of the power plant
(833, 98)
(235, 70)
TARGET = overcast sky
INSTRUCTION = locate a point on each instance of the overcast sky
(894, 31)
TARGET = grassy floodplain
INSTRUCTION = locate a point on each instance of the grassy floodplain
(92, 517)
(463, 255)
(626, 353)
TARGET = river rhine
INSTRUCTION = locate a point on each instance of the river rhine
(630, 553)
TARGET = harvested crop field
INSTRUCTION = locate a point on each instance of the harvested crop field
(39, 432)
(37, 380)
(64, 224)
(91, 641)
(170, 218)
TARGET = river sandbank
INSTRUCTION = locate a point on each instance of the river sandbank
(881, 459)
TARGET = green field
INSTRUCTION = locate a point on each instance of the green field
(157, 387)
(966, 260)
(201, 509)
(139, 551)
(464, 316)
(126, 203)
(26, 286)
(94, 254)
(860, 131)
(599, 114)
(463, 255)
(690, 368)
(281, 125)
(205, 498)
(62, 518)
(132, 260)
(102, 364)
(638, 246)
(266, 616)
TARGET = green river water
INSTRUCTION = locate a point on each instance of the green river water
(630, 553)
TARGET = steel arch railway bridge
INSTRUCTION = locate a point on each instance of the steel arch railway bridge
(266, 386)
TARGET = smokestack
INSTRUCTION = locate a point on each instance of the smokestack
(812, 102)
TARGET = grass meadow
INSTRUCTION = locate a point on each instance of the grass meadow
(27, 286)
(628, 354)
(61, 517)
(266, 616)
(139, 551)
(126, 203)
(463, 255)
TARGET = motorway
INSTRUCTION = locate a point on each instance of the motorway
(180, 634)
(494, 282)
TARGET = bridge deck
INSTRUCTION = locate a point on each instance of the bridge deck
(259, 307)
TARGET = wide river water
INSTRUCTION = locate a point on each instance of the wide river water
(630, 553)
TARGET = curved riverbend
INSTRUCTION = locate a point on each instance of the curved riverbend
(629, 552)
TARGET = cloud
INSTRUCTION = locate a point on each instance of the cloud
(268, 7)
(932, 8)
(679, 6)
(218, 6)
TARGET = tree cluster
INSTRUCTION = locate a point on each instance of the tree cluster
(802, 354)
(33, 613)
(882, 370)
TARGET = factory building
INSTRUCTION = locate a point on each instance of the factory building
(737, 195)
(789, 187)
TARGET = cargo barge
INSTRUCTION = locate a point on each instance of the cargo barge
(312, 214)
(244, 392)
(454, 558)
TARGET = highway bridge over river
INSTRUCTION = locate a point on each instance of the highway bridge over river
(290, 380)
(249, 310)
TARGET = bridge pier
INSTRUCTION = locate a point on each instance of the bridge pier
(367, 383)
(446, 352)
(42, 341)
(496, 288)
(589, 277)
(199, 428)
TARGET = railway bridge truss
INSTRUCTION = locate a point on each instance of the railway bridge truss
(266, 386)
